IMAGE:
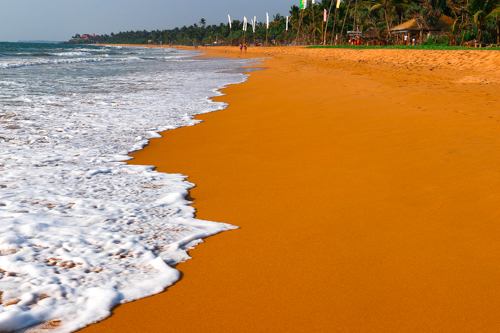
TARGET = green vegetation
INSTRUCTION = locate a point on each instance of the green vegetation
(472, 20)
(408, 47)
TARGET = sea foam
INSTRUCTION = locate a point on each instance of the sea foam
(80, 230)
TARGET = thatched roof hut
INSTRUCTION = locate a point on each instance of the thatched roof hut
(371, 33)
(444, 22)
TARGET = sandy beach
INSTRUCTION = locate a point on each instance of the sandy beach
(365, 184)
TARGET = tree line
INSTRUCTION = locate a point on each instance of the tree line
(473, 20)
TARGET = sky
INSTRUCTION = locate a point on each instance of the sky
(59, 20)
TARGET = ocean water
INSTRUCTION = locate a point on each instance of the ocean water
(81, 230)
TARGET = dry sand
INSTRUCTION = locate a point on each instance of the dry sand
(366, 185)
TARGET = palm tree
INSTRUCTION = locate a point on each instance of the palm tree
(460, 11)
(386, 6)
(484, 10)
(496, 13)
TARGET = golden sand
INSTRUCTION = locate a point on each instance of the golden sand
(366, 185)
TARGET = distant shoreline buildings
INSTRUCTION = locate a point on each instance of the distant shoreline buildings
(85, 38)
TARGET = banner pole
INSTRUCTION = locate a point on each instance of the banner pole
(267, 26)
(230, 31)
(327, 19)
(342, 30)
(334, 23)
(314, 27)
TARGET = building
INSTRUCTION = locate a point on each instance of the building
(420, 30)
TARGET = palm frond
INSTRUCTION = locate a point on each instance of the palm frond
(494, 13)
(477, 16)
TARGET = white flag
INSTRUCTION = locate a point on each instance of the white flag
(253, 23)
(229, 18)
(267, 20)
(287, 23)
(313, 2)
(305, 4)
(338, 3)
(244, 23)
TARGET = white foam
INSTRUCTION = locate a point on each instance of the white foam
(70, 54)
(37, 62)
(81, 230)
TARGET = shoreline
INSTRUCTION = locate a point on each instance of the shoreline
(469, 66)
(373, 210)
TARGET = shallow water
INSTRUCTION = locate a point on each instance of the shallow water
(81, 230)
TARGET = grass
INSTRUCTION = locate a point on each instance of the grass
(404, 47)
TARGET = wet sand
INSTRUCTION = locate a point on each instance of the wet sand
(366, 186)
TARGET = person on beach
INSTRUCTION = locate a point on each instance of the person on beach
(241, 47)
(245, 47)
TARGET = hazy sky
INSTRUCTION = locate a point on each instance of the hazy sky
(58, 20)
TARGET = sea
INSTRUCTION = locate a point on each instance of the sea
(82, 231)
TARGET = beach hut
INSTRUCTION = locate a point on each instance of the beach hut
(371, 33)
(417, 29)
(375, 36)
